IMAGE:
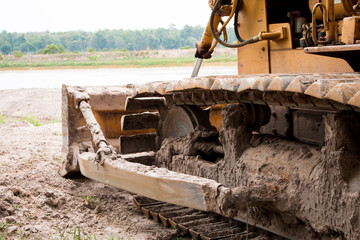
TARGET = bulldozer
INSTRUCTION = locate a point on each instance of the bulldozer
(275, 146)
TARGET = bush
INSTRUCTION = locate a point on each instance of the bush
(1, 57)
(185, 47)
(92, 58)
(32, 120)
(105, 50)
(91, 50)
(61, 49)
(2, 121)
(51, 49)
(17, 54)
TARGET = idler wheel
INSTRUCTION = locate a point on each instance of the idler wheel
(179, 121)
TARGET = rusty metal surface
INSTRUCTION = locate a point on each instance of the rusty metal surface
(199, 225)
(354, 48)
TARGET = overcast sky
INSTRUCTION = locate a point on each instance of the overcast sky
(87, 15)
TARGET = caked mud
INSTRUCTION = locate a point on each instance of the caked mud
(309, 192)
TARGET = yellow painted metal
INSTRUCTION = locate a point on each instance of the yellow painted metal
(280, 83)
(276, 35)
(207, 38)
(331, 32)
(283, 43)
(321, 88)
(297, 85)
(276, 56)
(343, 92)
(355, 100)
(296, 61)
(342, 8)
(350, 30)
(325, 21)
(215, 117)
(253, 58)
(230, 16)
(110, 123)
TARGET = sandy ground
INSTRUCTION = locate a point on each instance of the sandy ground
(35, 202)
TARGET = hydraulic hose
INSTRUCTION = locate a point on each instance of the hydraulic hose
(214, 32)
(236, 27)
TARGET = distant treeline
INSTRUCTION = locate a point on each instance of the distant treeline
(103, 40)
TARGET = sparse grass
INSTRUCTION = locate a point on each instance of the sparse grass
(32, 119)
(56, 120)
(56, 134)
(2, 121)
(76, 234)
(4, 234)
(92, 58)
(2, 231)
(91, 199)
(112, 237)
(57, 158)
(79, 234)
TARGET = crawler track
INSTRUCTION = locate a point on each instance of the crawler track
(199, 224)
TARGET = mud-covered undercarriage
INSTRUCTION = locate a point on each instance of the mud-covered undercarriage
(276, 151)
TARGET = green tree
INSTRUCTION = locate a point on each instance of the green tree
(5, 48)
(19, 40)
(75, 46)
(98, 41)
(27, 47)
(161, 38)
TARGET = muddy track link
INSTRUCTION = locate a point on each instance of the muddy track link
(199, 224)
(337, 91)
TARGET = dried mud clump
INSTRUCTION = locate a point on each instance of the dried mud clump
(303, 191)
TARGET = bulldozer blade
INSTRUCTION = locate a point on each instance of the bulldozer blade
(156, 183)
(106, 106)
